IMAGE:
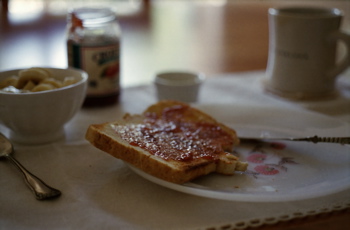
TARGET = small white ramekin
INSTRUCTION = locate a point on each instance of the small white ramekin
(180, 86)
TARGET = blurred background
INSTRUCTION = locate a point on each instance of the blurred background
(210, 36)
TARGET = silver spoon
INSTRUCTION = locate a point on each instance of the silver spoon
(314, 139)
(41, 190)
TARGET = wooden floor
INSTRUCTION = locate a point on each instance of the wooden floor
(209, 36)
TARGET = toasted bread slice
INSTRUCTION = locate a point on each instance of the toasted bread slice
(171, 141)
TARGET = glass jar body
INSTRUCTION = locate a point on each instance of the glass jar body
(93, 45)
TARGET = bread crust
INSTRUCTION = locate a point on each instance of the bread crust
(105, 138)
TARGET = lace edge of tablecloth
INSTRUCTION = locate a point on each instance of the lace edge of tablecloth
(258, 222)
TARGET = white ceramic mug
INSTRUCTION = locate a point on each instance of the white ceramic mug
(303, 52)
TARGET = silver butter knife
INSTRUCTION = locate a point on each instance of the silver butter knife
(314, 139)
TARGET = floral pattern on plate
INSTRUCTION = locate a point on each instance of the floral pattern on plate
(265, 158)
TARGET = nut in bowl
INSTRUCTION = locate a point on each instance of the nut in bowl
(37, 117)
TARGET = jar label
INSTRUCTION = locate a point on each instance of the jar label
(102, 65)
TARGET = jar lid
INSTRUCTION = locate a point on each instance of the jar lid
(92, 15)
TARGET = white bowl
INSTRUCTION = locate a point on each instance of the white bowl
(39, 117)
(180, 86)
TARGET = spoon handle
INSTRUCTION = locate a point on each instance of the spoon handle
(41, 190)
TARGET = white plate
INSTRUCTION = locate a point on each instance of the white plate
(294, 170)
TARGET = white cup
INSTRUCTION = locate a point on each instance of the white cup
(303, 52)
(180, 86)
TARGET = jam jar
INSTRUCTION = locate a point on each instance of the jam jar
(93, 45)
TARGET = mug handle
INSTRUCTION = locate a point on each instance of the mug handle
(345, 62)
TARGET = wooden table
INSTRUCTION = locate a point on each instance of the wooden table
(213, 37)
(208, 36)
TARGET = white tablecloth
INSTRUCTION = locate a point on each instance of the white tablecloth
(101, 192)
